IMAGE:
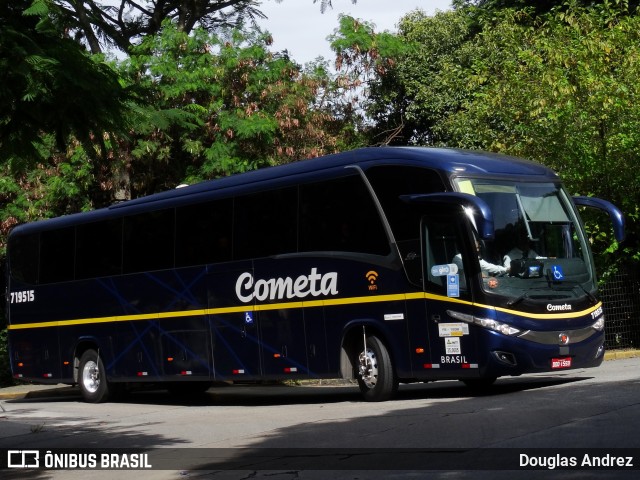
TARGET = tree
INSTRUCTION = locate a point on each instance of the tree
(324, 4)
(224, 104)
(50, 86)
(366, 62)
(405, 94)
(539, 7)
(123, 24)
(102, 25)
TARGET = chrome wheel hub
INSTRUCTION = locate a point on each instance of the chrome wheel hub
(368, 368)
(91, 376)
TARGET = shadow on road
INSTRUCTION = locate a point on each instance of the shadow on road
(279, 394)
(442, 426)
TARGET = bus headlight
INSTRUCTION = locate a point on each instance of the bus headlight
(599, 325)
(503, 328)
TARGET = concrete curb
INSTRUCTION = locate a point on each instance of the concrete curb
(48, 391)
(37, 391)
(620, 354)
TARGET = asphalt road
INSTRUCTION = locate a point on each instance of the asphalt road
(319, 432)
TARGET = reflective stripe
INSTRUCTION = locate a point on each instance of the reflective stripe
(329, 302)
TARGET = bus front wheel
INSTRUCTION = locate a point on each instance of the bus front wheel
(376, 375)
(92, 378)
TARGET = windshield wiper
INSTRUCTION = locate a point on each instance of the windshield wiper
(572, 284)
(517, 300)
(593, 299)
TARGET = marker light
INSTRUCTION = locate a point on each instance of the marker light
(503, 328)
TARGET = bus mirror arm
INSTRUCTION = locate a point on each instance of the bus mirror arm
(476, 209)
(616, 216)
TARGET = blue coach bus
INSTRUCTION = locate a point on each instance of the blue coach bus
(385, 265)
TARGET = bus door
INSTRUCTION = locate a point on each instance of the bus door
(284, 343)
(235, 337)
(447, 258)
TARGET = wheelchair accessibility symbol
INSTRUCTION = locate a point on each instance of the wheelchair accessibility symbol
(558, 274)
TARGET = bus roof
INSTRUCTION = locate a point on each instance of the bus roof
(446, 160)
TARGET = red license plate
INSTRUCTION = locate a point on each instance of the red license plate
(561, 362)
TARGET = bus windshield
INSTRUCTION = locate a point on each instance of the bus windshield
(539, 250)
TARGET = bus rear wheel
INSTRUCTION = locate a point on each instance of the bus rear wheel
(376, 375)
(92, 378)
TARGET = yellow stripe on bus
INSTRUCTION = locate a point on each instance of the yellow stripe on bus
(294, 305)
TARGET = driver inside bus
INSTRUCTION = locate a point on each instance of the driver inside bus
(522, 250)
(488, 269)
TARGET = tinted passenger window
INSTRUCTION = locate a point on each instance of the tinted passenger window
(391, 181)
(340, 215)
(203, 233)
(24, 253)
(266, 223)
(99, 249)
(57, 255)
(148, 241)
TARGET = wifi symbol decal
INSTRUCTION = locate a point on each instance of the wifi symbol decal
(372, 276)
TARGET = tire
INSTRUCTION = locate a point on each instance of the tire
(376, 375)
(92, 378)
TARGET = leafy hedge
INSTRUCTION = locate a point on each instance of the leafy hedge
(5, 371)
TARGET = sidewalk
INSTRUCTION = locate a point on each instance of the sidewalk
(29, 391)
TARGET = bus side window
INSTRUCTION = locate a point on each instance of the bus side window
(99, 249)
(24, 252)
(148, 241)
(265, 223)
(204, 233)
(57, 251)
(340, 215)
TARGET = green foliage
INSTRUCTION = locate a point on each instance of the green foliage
(222, 104)
(49, 85)
(5, 371)
(368, 65)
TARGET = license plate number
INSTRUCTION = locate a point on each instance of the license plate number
(561, 362)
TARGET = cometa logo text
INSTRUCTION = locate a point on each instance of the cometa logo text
(314, 284)
(558, 308)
